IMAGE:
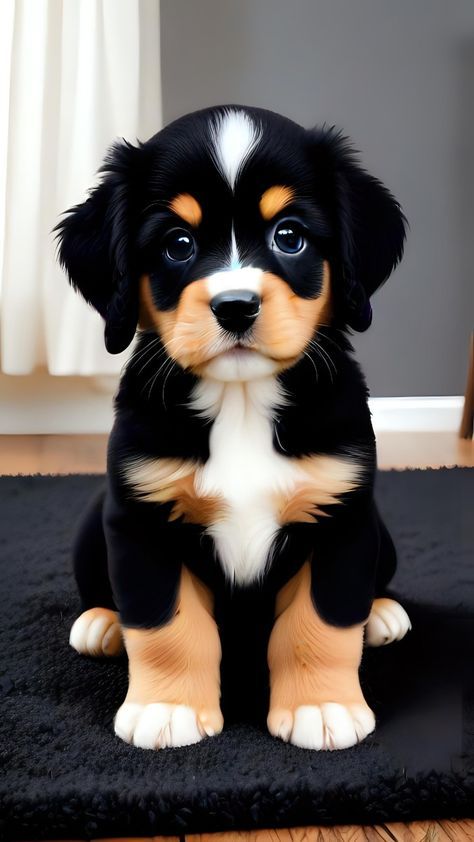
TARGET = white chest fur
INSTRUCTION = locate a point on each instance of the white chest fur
(245, 491)
(245, 471)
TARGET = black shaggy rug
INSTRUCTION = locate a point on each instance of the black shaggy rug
(65, 774)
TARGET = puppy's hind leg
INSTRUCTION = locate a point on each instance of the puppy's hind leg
(388, 621)
(97, 630)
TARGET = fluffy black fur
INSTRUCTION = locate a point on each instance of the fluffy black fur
(117, 235)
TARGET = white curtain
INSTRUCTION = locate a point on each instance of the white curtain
(74, 75)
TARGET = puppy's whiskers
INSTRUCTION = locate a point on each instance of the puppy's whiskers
(324, 356)
(329, 338)
(313, 363)
(170, 369)
(158, 353)
(144, 352)
(221, 344)
(168, 366)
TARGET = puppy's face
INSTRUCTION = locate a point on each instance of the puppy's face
(235, 234)
(235, 276)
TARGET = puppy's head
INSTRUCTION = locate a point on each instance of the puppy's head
(235, 234)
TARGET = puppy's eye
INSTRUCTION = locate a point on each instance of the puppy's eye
(289, 237)
(179, 245)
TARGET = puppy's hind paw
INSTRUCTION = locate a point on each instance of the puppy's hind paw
(97, 632)
(388, 621)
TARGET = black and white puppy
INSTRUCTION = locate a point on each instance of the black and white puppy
(242, 457)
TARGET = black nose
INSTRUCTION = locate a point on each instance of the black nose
(236, 309)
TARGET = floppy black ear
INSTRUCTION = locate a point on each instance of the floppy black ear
(369, 229)
(94, 247)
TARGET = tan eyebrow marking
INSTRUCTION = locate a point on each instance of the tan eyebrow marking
(275, 199)
(188, 208)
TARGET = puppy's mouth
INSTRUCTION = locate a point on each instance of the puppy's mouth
(241, 347)
(238, 359)
(226, 343)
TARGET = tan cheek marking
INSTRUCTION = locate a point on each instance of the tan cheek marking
(179, 662)
(328, 479)
(188, 208)
(196, 327)
(288, 322)
(147, 310)
(274, 200)
(187, 331)
(146, 306)
(310, 661)
(172, 480)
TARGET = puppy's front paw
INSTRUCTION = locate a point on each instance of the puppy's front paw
(97, 632)
(322, 727)
(160, 725)
(388, 621)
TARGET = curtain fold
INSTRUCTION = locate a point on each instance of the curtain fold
(81, 73)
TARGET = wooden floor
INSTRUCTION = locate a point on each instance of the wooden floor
(86, 454)
(448, 831)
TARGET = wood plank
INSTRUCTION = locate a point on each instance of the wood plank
(422, 831)
(52, 454)
(87, 454)
(447, 830)
(423, 450)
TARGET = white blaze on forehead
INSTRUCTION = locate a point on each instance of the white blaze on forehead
(247, 278)
(234, 259)
(234, 137)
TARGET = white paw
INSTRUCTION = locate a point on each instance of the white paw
(387, 622)
(323, 727)
(97, 632)
(160, 725)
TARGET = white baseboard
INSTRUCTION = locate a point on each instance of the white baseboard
(41, 404)
(430, 414)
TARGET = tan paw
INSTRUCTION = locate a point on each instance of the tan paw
(97, 632)
(388, 621)
(160, 725)
(322, 727)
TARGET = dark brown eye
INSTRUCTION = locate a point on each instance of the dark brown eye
(179, 245)
(288, 237)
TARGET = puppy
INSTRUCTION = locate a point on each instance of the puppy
(242, 458)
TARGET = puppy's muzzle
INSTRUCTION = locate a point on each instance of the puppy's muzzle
(236, 309)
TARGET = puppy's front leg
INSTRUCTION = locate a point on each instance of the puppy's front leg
(173, 693)
(316, 698)
(170, 635)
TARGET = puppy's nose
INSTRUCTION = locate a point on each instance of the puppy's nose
(236, 309)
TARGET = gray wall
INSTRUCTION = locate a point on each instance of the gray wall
(398, 77)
